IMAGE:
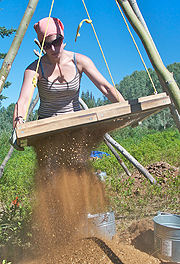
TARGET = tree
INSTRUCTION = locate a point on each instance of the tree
(90, 100)
(175, 69)
(6, 32)
(138, 85)
(6, 116)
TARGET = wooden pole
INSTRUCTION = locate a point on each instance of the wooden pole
(6, 67)
(152, 53)
(117, 157)
(130, 158)
(136, 10)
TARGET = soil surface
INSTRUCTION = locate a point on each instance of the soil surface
(133, 244)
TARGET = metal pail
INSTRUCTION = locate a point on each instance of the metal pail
(167, 236)
(102, 225)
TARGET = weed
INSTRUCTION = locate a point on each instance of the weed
(5, 262)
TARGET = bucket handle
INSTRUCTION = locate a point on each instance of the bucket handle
(163, 213)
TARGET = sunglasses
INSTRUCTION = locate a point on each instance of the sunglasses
(56, 43)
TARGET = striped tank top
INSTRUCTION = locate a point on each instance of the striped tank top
(58, 98)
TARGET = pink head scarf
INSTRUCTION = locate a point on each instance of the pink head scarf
(55, 27)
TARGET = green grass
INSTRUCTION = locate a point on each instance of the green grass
(137, 200)
(147, 149)
(16, 181)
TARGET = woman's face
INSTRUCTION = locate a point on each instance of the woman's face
(53, 46)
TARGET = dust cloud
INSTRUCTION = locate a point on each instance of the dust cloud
(66, 191)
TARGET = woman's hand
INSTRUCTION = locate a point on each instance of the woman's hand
(26, 94)
(17, 120)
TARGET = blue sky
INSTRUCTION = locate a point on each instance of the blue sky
(162, 18)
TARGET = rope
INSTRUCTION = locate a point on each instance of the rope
(100, 48)
(34, 80)
(80, 25)
(155, 91)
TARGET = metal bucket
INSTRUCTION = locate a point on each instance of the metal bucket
(167, 236)
(102, 225)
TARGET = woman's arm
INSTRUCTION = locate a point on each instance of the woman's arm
(87, 66)
(26, 94)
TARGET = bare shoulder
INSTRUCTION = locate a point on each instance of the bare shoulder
(82, 58)
(31, 69)
(83, 62)
(32, 66)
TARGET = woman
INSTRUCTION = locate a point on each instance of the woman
(59, 76)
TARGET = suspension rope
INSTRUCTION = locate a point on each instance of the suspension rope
(101, 49)
(155, 91)
(34, 80)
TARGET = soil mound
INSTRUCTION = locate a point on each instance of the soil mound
(160, 170)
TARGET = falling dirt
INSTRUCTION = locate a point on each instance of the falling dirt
(66, 192)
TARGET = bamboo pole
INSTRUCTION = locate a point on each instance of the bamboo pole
(152, 53)
(6, 67)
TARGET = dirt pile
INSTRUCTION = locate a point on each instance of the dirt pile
(162, 171)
